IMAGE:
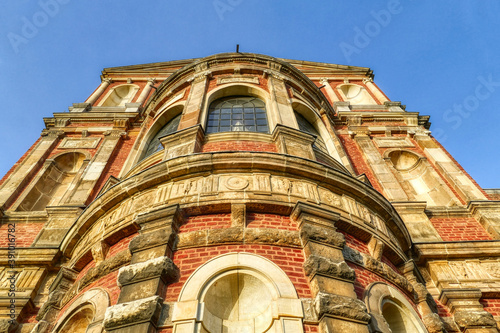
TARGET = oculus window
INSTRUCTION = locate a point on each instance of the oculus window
(169, 128)
(237, 114)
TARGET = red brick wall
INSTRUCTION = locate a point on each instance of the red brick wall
(120, 246)
(19, 162)
(25, 233)
(491, 305)
(239, 146)
(311, 328)
(288, 259)
(359, 163)
(355, 243)
(115, 163)
(460, 229)
(259, 220)
(203, 222)
(108, 283)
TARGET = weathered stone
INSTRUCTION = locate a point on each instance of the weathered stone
(310, 315)
(450, 325)
(468, 319)
(238, 215)
(125, 314)
(41, 327)
(53, 301)
(159, 267)
(272, 236)
(8, 326)
(193, 238)
(106, 267)
(352, 255)
(309, 232)
(386, 271)
(325, 266)
(433, 323)
(335, 305)
(227, 235)
(378, 323)
(166, 314)
(151, 239)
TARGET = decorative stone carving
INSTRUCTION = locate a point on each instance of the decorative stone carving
(325, 266)
(314, 233)
(341, 306)
(126, 314)
(84, 143)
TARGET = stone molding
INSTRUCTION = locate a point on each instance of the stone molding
(341, 306)
(189, 312)
(374, 297)
(146, 310)
(161, 267)
(319, 265)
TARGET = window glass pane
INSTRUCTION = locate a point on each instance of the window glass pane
(169, 128)
(237, 108)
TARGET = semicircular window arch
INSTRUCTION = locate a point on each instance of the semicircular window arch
(169, 128)
(237, 114)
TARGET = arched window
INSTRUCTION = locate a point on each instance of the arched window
(155, 145)
(306, 126)
(237, 113)
(84, 314)
(390, 310)
(52, 182)
(239, 292)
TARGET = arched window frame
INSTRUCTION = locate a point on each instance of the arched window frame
(96, 299)
(257, 120)
(239, 89)
(129, 99)
(274, 278)
(49, 163)
(379, 293)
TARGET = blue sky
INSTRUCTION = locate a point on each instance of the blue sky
(440, 58)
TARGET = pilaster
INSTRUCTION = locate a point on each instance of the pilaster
(151, 271)
(332, 281)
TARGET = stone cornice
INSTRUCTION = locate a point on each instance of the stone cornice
(456, 250)
(216, 163)
(31, 256)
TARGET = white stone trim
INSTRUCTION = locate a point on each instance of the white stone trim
(96, 298)
(189, 313)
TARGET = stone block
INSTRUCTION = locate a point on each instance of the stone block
(151, 239)
(106, 267)
(474, 319)
(272, 236)
(162, 267)
(138, 290)
(341, 306)
(132, 313)
(310, 232)
(315, 265)
(228, 235)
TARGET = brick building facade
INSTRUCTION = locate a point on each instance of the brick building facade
(244, 193)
